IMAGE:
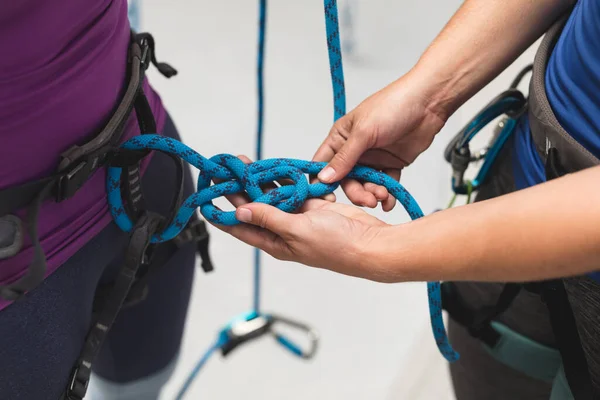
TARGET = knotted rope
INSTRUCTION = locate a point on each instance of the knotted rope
(241, 178)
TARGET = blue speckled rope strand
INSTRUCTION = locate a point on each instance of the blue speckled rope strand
(260, 72)
(339, 100)
(334, 50)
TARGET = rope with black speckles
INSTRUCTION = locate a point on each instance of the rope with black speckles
(239, 177)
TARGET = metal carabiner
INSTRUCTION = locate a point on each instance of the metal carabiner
(312, 335)
(510, 103)
(253, 325)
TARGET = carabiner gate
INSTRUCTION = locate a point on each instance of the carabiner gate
(312, 335)
(510, 104)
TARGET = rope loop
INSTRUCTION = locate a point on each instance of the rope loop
(238, 177)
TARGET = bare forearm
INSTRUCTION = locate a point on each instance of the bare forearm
(480, 41)
(548, 231)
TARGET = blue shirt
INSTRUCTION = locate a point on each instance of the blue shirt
(573, 90)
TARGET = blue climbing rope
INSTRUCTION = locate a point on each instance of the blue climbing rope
(260, 72)
(336, 67)
(238, 177)
(196, 370)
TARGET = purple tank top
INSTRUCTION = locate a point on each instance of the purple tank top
(62, 70)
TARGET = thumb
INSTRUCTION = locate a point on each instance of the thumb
(345, 159)
(265, 216)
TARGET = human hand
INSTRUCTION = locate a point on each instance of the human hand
(387, 132)
(325, 235)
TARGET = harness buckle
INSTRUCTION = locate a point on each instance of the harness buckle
(74, 178)
(146, 53)
(148, 56)
(78, 386)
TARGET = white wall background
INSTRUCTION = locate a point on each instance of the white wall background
(376, 343)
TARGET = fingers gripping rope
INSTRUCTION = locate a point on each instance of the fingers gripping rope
(240, 178)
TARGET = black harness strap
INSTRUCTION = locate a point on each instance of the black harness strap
(478, 322)
(135, 256)
(37, 269)
(563, 322)
(195, 233)
(142, 259)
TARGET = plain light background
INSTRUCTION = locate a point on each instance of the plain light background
(376, 341)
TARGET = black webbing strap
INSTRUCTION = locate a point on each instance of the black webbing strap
(35, 273)
(478, 322)
(135, 256)
(131, 185)
(164, 68)
(564, 326)
(80, 162)
(195, 233)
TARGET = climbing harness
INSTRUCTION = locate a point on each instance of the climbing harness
(565, 367)
(238, 177)
(80, 162)
(75, 167)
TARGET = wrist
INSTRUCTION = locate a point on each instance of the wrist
(440, 88)
(391, 255)
(421, 250)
